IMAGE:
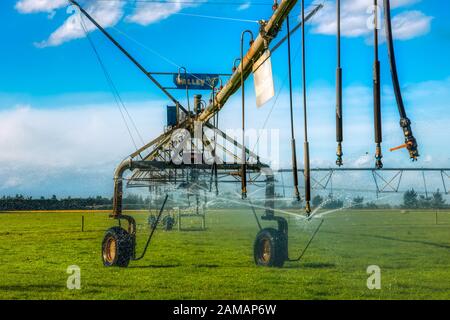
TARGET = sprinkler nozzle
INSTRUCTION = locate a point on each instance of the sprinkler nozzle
(297, 193)
(244, 193)
(378, 157)
(339, 155)
(308, 209)
(410, 141)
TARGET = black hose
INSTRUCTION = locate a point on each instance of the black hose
(309, 243)
(405, 123)
(291, 108)
(255, 215)
(153, 229)
(392, 60)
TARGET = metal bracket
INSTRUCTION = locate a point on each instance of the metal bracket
(388, 185)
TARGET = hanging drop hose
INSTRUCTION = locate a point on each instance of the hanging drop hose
(255, 215)
(309, 242)
(214, 171)
(244, 153)
(405, 123)
(153, 229)
(377, 94)
(294, 151)
(339, 126)
(305, 119)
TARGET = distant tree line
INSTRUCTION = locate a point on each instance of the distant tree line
(22, 203)
(327, 203)
(411, 200)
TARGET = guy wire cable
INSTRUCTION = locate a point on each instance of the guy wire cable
(112, 86)
(214, 17)
(192, 2)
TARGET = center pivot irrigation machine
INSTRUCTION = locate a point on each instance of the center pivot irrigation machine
(175, 161)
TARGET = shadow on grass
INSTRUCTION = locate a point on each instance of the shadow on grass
(31, 287)
(206, 265)
(156, 266)
(166, 266)
(427, 243)
(318, 265)
(310, 265)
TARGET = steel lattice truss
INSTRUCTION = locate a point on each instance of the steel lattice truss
(387, 180)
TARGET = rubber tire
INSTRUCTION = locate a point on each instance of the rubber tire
(278, 248)
(168, 223)
(124, 247)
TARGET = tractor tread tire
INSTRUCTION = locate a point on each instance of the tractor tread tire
(278, 248)
(124, 247)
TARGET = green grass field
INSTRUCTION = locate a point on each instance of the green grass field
(412, 251)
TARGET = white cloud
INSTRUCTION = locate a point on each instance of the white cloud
(402, 3)
(148, 13)
(407, 25)
(244, 6)
(363, 161)
(33, 6)
(84, 143)
(356, 16)
(69, 151)
(106, 13)
(410, 24)
(75, 137)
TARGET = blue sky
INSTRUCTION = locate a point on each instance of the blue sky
(55, 103)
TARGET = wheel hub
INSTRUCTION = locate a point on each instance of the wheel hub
(266, 251)
(110, 250)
